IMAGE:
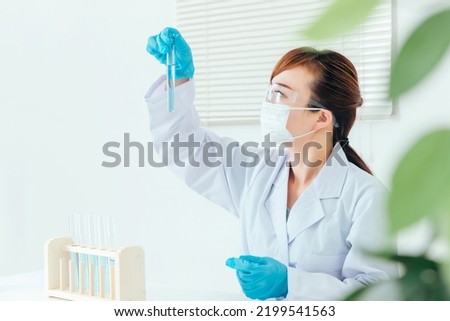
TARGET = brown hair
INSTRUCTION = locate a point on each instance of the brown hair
(335, 87)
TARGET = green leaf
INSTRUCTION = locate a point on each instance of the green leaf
(423, 280)
(341, 16)
(446, 272)
(445, 223)
(421, 182)
(421, 53)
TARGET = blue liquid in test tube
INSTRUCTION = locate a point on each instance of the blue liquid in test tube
(170, 61)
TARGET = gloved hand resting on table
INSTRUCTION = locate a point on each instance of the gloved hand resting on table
(260, 277)
(158, 46)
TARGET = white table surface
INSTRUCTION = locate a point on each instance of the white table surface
(30, 287)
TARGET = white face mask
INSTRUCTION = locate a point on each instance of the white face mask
(274, 118)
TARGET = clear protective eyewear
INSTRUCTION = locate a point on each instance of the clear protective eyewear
(282, 95)
(278, 94)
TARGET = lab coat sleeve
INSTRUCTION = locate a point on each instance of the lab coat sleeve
(211, 164)
(368, 233)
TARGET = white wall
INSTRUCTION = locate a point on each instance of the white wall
(72, 78)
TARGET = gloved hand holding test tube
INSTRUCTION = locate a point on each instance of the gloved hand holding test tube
(170, 49)
(170, 62)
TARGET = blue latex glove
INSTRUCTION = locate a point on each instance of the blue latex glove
(158, 46)
(260, 277)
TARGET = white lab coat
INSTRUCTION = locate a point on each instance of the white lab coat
(336, 218)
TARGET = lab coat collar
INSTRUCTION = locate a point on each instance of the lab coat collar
(328, 183)
(308, 208)
(306, 211)
(330, 179)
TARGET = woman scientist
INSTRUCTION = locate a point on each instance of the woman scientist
(308, 219)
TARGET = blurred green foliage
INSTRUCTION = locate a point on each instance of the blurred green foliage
(421, 182)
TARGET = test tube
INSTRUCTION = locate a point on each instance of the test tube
(102, 260)
(93, 259)
(73, 233)
(106, 237)
(111, 262)
(84, 258)
(170, 62)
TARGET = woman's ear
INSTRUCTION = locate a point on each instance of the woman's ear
(324, 119)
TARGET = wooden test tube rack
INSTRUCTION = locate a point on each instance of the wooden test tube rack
(126, 275)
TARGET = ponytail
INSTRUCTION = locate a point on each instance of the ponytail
(353, 156)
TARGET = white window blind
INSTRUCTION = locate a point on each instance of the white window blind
(236, 44)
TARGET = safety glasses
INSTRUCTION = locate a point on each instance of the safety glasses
(282, 95)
